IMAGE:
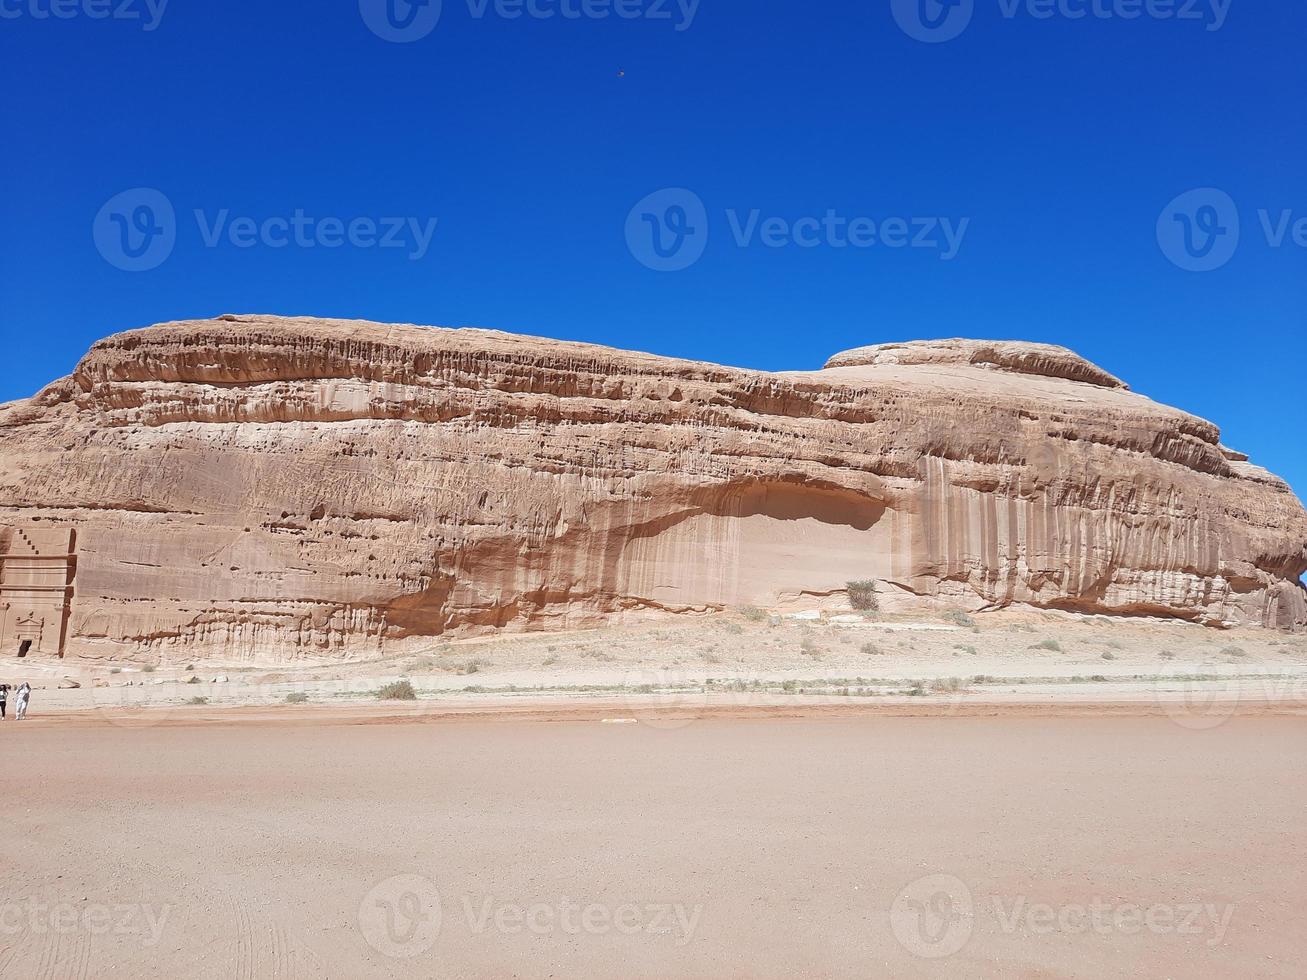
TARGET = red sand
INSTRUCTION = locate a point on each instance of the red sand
(842, 846)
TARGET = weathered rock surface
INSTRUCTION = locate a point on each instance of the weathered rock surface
(293, 486)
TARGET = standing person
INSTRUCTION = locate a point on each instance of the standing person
(20, 702)
(4, 698)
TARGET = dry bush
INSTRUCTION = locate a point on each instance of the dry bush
(398, 691)
(862, 596)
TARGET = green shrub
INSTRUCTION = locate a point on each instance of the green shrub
(398, 691)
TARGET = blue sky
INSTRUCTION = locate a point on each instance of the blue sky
(1051, 145)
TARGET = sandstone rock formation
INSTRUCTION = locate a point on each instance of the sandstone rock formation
(290, 487)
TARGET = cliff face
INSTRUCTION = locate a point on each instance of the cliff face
(297, 485)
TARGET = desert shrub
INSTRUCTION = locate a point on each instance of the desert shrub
(115, 670)
(947, 685)
(297, 697)
(753, 614)
(871, 650)
(965, 648)
(1234, 652)
(1109, 655)
(549, 661)
(199, 700)
(1167, 655)
(733, 628)
(863, 597)
(148, 669)
(398, 691)
(1048, 645)
(478, 665)
(958, 618)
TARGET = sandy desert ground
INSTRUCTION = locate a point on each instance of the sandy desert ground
(824, 847)
(739, 662)
(1017, 794)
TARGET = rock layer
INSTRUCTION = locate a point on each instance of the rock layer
(259, 485)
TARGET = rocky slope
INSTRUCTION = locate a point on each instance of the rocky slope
(281, 486)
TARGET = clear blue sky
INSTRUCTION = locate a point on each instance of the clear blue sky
(1062, 140)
